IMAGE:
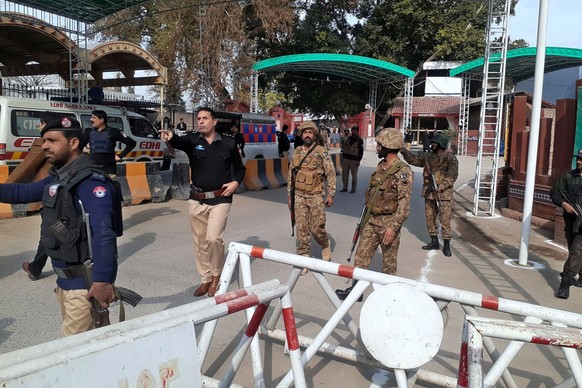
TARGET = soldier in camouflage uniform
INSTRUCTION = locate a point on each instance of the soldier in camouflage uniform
(314, 172)
(445, 167)
(387, 206)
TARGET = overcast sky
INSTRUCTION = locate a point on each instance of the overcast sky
(563, 22)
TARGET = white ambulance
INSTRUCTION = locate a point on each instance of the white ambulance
(20, 118)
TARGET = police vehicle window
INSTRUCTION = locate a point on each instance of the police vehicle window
(25, 123)
(140, 127)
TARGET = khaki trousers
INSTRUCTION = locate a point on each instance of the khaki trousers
(75, 310)
(208, 225)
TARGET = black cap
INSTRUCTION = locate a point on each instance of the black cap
(579, 154)
(355, 128)
(62, 124)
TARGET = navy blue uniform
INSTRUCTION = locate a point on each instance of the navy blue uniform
(102, 146)
(97, 195)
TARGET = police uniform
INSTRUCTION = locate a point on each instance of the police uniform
(445, 168)
(315, 172)
(102, 147)
(388, 198)
(61, 205)
(210, 167)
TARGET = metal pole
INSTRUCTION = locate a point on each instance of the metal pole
(534, 132)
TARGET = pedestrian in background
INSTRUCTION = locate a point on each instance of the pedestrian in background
(181, 126)
(408, 137)
(426, 139)
(444, 166)
(387, 206)
(567, 193)
(238, 138)
(73, 181)
(102, 140)
(217, 171)
(352, 154)
(283, 143)
(312, 177)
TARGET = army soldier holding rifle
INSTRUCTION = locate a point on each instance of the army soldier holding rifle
(74, 189)
(441, 169)
(387, 206)
(567, 194)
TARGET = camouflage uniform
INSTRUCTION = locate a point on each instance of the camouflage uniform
(309, 192)
(445, 168)
(389, 209)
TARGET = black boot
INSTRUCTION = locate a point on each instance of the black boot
(447, 248)
(564, 288)
(433, 244)
(343, 294)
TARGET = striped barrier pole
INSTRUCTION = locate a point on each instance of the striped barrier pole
(474, 356)
(293, 342)
(244, 344)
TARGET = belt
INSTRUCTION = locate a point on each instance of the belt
(69, 272)
(206, 194)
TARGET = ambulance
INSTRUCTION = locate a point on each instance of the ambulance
(20, 118)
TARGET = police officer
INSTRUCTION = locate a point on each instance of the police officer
(102, 140)
(313, 174)
(566, 193)
(352, 152)
(74, 180)
(387, 206)
(445, 168)
(217, 171)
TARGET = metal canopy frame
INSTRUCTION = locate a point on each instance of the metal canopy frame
(521, 62)
(370, 71)
(86, 11)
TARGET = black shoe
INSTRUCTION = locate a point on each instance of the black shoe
(343, 190)
(564, 288)
(343, 294)
(352, 191)
(25, 268)
(447, 249)
(432, 245)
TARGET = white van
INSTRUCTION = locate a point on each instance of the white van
(20, 118)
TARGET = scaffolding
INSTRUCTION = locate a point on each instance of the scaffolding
(491, 117)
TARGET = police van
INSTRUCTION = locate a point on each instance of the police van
(257, 129)
(20, 119)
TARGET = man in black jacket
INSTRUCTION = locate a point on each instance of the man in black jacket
(216, 172)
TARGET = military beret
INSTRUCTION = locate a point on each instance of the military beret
(62, 124)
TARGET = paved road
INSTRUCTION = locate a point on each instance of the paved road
(156, 259)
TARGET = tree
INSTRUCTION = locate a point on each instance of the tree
(208, 48)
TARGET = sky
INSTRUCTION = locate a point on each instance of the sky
(563, 23)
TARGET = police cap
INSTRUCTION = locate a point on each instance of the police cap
(579, 154)
(62, 124)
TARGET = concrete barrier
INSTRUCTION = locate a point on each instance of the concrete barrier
(180, 188)
(266, 173)
(140, 182)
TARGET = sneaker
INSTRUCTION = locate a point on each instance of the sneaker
(25, 268)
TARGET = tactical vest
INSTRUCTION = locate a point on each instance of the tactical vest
(385, 182)
(101, 142)
(351, 149)
(309, 178)
(63, 231)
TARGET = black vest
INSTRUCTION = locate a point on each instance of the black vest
(63, 232)
(101, 142)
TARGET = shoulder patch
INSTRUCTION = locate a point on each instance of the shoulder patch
(99, 191)
(98, 177)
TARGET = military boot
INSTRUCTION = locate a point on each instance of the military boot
(343, 294)
(433, 244)
(447, 248)
(564, 288)
(326, 252)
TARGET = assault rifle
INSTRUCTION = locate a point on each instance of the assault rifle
(292, 200)
(99, 314)
(577, 210)
(433, 187)
(361, 223)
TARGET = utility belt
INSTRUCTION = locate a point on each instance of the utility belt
(71, 272)
(197, 193)
(382, 213)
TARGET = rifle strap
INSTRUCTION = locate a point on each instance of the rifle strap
(306, 155)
